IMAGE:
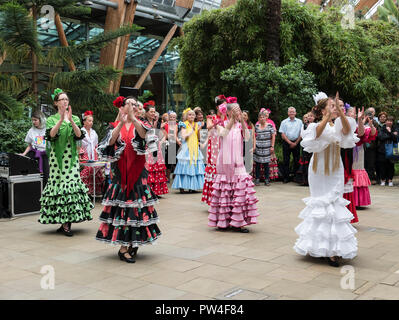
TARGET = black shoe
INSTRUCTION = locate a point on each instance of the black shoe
(133, 251)
(124, 258)
(182, 191)
(67, 233)
(242, 230)
(222, 229)
(286, 181)
(333, 263)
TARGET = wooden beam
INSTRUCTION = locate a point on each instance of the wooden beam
(188, 4)
(62, 37)
(156, 57)
(128, 20)
(113, 21)
(228, 3)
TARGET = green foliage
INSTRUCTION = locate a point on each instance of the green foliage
(360, 63)
(10, 108)
(17, 29)
(263, 84)
(389, 12)
(12, 135)
(147, 95)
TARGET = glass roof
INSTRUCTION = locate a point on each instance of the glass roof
(141, 48)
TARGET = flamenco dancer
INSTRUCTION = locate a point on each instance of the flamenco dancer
(64, 199)
(326, 231)
(189, 171)
(347, 159)
(213, 150)
(128, 218)
(88, 152)
(233, 202)
(361, 182)
(155, 165)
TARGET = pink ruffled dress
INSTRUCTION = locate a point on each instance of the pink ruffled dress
(233, 201)
(361, 181)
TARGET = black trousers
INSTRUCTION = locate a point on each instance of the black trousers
(370, 160)
(387, 169)
(287, 151)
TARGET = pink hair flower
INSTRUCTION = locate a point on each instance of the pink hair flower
(231, 100)
(223, 108)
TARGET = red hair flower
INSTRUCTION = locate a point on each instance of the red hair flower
(88, 113)
(148, 104)
(231, 100)
(118, 101)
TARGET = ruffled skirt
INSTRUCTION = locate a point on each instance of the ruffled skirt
(129, 219)
(157, 179)
(210, 172)
(361, 183)
(233, 202)
(189, 175)
(326, 230)
(64, 199)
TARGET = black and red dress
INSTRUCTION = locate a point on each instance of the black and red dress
(129, 217)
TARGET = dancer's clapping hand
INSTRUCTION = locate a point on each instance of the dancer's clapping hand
(360, 114)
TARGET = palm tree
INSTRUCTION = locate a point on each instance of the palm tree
(389, 12)
(273, 18)
(18, 38)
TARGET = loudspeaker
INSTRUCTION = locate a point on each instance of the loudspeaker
(24, 195)
(4, 207)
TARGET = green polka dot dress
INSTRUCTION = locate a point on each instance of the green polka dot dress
(65, 197)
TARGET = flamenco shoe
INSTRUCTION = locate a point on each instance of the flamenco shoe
(242, 230)
(66, 232)
(123, 257)
(133, 251)
(333, 263)
(222, 229)
(182, 191)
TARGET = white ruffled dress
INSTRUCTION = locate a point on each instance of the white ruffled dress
(326, 230)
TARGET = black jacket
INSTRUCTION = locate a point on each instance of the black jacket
(384, 136)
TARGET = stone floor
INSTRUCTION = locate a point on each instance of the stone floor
(193, 261)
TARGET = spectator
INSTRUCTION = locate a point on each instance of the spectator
(371, 111)
(290, 130)
(382, 117)
(387, 134)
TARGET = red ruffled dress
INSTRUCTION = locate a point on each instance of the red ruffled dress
(128, 217)
(233, 200)
(361, 181)
(155, 165)
(347, 159)
(210, 170)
